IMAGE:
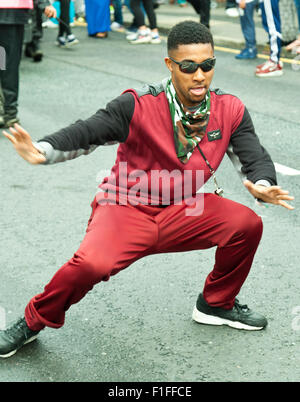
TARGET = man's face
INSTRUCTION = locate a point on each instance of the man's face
(191, 88)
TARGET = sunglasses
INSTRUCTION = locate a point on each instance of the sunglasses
(190, 67)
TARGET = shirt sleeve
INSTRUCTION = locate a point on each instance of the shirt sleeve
(107, 126)
(248, 156)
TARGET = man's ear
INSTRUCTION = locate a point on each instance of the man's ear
(168, 64)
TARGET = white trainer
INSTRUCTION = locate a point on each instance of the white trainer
(142, 37)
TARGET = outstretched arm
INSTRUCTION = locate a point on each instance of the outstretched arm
(22, 143)
(106, 126)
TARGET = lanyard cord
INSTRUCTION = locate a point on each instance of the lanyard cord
(62, 22)
(219, 191)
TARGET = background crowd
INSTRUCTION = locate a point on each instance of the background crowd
(23, 27)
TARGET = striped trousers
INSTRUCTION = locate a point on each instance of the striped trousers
(271, 23)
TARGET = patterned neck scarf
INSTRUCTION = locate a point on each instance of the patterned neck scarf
(189, 126)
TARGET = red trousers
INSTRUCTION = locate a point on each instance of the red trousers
(118, 235)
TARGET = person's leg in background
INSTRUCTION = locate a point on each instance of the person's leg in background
(118, 23)
(64, 23)
(79, 8)
(272, 24)
(79, 19)
(202, 7)
(143, 34)
(248, 29)
(32, 48)
(65, 36)
(133, 28)
(295, 45)
(289, 24)
(11, 39)
(149, 9)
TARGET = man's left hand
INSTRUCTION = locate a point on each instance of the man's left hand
(271, 195)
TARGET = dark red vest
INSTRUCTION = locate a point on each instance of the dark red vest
(147, 168)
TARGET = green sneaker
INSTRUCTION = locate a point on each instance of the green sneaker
(239, 317)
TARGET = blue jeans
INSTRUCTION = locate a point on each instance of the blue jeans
(248, 25)
(118, 15)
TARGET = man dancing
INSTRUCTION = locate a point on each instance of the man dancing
(177, 128)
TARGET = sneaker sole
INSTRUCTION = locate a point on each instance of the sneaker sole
(136, 42)
(273, 74)
(246, 58)
(33, 338)
(72, 43)
(202, 318)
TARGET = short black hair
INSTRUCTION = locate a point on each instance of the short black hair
(188, 32)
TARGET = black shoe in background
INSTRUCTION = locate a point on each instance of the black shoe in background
(34, 52)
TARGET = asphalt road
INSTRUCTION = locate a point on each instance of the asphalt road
(137, 326)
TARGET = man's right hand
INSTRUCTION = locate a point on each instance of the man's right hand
(50, 12)
(21, 140)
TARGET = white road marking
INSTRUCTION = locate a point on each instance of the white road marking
(286, 170)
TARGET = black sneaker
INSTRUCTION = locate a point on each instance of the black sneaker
(14, 337)
(240, 316)
(33, 51)
(37, 55)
